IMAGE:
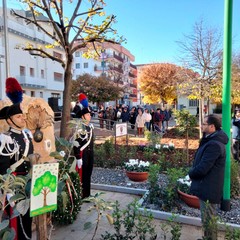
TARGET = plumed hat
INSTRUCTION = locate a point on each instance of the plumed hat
(9, 111)
(14, 90)
(15, 93)
(83, 105)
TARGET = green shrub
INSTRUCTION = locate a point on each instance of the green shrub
(99, 156)
(131, 224)
(153, 194)
(235, 184)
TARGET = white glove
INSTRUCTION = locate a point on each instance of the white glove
(79, 163)
(9, 195)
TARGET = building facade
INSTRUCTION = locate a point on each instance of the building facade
(39, 77)
(115, 62)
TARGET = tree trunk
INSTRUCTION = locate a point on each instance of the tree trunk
(201, 115)
(41, 226)
(64, 129)
(186, 145)
(45, 197)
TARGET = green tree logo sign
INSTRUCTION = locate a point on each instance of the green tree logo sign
(44, 188)
(45, 184)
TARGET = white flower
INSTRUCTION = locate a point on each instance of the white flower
(133, 161)
(136, 165)
(62, 153)
(185, 180)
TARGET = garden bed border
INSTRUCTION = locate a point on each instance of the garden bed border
(195, 221)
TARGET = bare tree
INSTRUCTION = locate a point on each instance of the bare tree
(86, 24)
(201, 51)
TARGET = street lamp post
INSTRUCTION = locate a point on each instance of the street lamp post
(103, 57)
(5, 23)
(226, 99)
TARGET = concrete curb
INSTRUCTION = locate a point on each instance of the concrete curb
(155, 213)
(114, 188)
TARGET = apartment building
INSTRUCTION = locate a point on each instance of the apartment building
(39, 77)
(116, 62)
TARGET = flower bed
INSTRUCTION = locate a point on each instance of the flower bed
(117, 177)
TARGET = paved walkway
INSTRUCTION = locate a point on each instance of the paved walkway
(76, 230)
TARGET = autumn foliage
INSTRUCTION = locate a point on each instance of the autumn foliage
(98, 89)
(158, 82)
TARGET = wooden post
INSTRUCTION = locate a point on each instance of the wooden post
(41, 227)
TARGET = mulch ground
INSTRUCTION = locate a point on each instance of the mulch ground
(170, 136)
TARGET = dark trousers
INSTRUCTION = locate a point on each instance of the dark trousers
(87, 169)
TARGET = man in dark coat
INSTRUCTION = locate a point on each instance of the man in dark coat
(207, 172)
(17, 146)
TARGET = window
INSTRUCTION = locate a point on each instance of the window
(58, 76)
(42, 73)
(32, 72)
(193, 103)
(41, 94)
(56, 95)
(22, 71)
(57, 55)
(77, 65)
(77, 54)
(85, 65)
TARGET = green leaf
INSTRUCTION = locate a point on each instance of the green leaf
(4, 224)
(16, 197)
(23, 206)
(73, 166)
(64, 199)
(64, 142)
(9, 235)
(56, 155)
(61, 185)
(18, 184)
(20, 179)
(87, 225)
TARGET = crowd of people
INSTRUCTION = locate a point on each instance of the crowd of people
(139, 118)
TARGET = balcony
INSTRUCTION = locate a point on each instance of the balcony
(133, 66)
(32, 82)
(132, 75)
(117, 69)
(119, 58)
(100, 68)
(133, 85)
